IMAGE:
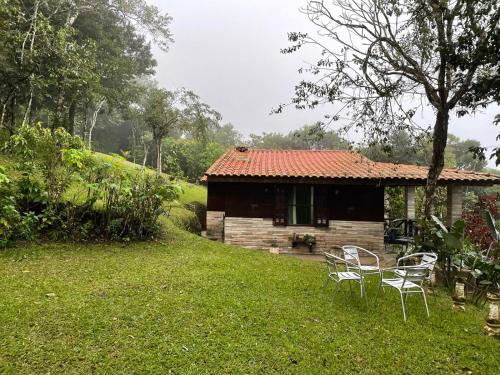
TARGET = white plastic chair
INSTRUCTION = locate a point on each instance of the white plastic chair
(356, 254)
(352, 273)
(427, 260)
(411, 283)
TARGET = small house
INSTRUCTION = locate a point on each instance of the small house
(269, 198)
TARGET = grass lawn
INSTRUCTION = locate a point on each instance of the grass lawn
(187, 305)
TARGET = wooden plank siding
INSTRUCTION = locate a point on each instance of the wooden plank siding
(257, 200)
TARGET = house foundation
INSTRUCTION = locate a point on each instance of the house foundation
(260, 233)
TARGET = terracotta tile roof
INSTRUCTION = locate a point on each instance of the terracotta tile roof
(331, 164)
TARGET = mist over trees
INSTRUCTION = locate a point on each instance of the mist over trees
(87, 66)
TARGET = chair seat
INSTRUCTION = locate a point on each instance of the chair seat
(398, 283)
(348, 276)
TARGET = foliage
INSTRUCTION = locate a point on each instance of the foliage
(9, 215)
(440, 203)
(476, 227)
(308, 137)
(225, 135)
(395, 202)
(448, 244)
(56, 154)
(167, 112)
(190, 158)
(62, 60)
(464, 157)
(109, 202)
(189, 305)
(486, 272)
(185, 217)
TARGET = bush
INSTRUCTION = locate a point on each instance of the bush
(475, 226)
(9, 215)
(105, 202)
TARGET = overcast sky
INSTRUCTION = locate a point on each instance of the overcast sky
(228, 52)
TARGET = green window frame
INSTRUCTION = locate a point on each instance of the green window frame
(301, 205)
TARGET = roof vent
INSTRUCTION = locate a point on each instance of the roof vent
(242, 148)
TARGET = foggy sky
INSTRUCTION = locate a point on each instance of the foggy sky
(228, 52)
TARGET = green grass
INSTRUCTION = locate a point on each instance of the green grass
(188, 305)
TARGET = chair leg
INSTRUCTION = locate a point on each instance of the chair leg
(335, 290)
(364, 292)
(403, 305)
(425, 302)
(378, 291)
(325, 283)
(350, 286)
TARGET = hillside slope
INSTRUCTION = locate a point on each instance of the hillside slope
(187, 213)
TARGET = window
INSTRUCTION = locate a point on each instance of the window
(300, 205)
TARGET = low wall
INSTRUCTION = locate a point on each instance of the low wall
(261, 233)
(215, 225)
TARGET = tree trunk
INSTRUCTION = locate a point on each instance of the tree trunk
(93, 121)
(158, 155)
(85, 121)
(71, 118)
(28, 109)
(4, 106)
(58, 112)
(134, 143)
(33, 113)
(12, 126)
(440, 136)
(146, 149)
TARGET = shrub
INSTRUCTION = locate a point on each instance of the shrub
(63, 192)
(9, 215)
(476, 227)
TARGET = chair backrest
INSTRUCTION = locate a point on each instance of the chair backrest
(429, 260)
(332, 262)
(351, 253)
(426, 259)
(415, 274)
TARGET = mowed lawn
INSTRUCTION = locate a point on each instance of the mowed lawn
(187, 305)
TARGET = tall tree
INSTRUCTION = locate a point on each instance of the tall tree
(161, 115)
(226, 135)
(60, 58)
(180, 112)
(464, 157)
(308, 137)
(380, 60)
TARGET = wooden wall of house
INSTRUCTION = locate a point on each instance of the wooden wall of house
(256, 200)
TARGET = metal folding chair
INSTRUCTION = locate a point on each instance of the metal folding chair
(358, 255)
(411, 283)
(426, 260)
(352, 273)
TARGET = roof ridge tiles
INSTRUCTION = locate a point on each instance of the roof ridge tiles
(327, 164)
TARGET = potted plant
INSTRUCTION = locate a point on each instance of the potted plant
(309, 240)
